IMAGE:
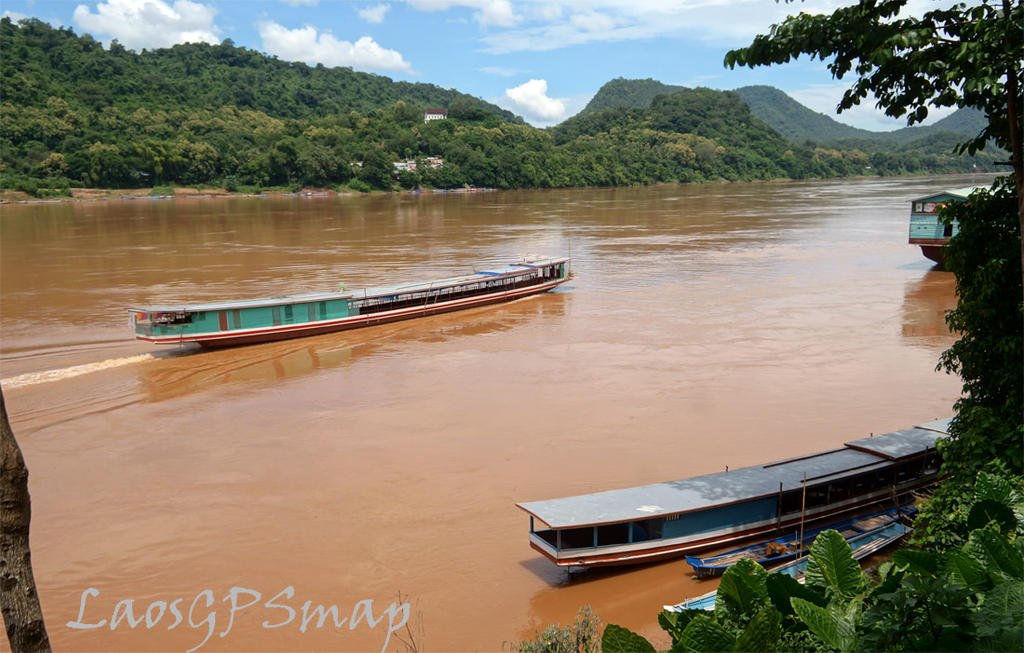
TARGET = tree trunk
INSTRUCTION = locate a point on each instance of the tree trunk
(19, 600)
(1013, 109)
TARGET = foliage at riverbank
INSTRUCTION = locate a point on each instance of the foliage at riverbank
(219, 115)
(965, 598)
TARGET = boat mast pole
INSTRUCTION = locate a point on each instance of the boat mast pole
(803, 513)
(778, 510)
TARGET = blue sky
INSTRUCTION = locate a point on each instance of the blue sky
(541, 59)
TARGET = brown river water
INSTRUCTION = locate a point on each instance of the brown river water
(707, 326)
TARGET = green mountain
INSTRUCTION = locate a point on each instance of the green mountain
(622, 93)
(40, 62)
(788, 117)
(73, 113)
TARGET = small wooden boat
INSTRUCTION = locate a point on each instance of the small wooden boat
(862, 545)
(224, 324)
(777, 551)
(714, 511)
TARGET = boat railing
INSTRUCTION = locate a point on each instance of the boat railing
(447, 293)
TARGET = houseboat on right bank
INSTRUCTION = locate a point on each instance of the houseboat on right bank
(927, 230)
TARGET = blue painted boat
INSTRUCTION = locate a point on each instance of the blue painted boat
(862, 545)
(780, 549)
(715, 511)
(223, 324)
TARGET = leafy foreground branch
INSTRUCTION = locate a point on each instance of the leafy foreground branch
(970, 598)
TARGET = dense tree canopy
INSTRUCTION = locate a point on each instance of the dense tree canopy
(74, 113)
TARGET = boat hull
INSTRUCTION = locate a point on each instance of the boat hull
(285, 332)
(933, 250)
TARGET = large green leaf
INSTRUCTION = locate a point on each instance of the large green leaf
(917, 561)
(986, 511)
(782, 587)
(990, 487)
(704, 634)
(674, 623)
(966, 570)
(837, 633)
(743, 588)
(996, 553)
(1000, 621)
(617, 639)
(762, 633)
(832, 566)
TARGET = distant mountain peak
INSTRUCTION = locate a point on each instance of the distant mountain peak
(785, 115)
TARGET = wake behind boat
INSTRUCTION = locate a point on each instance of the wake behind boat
(222, 324)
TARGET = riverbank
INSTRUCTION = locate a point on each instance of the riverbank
(106, 194)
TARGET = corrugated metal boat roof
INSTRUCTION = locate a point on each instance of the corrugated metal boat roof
(962, 193)
(699, 492)
(380, 291)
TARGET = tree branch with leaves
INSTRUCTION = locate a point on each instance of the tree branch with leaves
(963, 55)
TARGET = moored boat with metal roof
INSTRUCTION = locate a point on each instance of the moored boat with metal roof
(929, 232)
(240, 322)
(652, 522)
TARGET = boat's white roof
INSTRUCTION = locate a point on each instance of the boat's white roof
(699, 492)
(380, 291)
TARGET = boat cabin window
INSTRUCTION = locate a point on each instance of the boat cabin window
(577, 538)
(612, 534)
(176, 317)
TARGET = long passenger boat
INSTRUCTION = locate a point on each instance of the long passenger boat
(653, 522)
(241, 322)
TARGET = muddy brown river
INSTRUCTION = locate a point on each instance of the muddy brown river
(707, 326)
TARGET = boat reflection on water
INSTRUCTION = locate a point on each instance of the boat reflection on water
(925, 303)
(194, 369)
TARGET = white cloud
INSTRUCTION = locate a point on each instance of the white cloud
(553, 24)
(374, 14)
(307, 45)
(139, 24)
(532, 99)
(302, 3)
(592, 21)
(824, 98)
(14, 16)
(488, 13)
(500, 71)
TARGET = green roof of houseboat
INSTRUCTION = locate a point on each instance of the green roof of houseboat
(962, 193)
(380, 291)
(721, 488)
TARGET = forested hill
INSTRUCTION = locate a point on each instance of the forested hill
(40, 62)
(622, 93)
(798, 123)
(74, 114)
(792, 119)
